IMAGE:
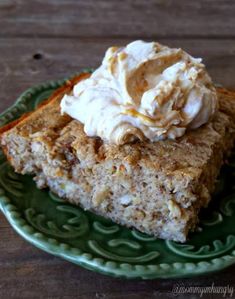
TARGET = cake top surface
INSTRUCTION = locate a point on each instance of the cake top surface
(184, 158)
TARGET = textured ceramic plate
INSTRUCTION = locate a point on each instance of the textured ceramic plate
(97, 244)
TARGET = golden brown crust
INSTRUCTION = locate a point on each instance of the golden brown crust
(227, 92)
(86, 147)
(66, 88)
(152, 155)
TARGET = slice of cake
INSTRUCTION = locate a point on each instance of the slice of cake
(155, 187)
(140, 141)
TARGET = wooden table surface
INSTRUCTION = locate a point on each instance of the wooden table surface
(42, 40)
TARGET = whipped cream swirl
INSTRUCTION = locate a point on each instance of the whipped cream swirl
(143, 90)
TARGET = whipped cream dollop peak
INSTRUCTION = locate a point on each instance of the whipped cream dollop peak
(143, 90)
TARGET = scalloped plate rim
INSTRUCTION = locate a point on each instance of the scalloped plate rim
(86, 260)
(163, 273)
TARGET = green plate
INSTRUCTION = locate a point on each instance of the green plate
(95, 243)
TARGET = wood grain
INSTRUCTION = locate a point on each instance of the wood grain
(62, 57)
(105, 18)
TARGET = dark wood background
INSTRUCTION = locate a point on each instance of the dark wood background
(42, 40)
